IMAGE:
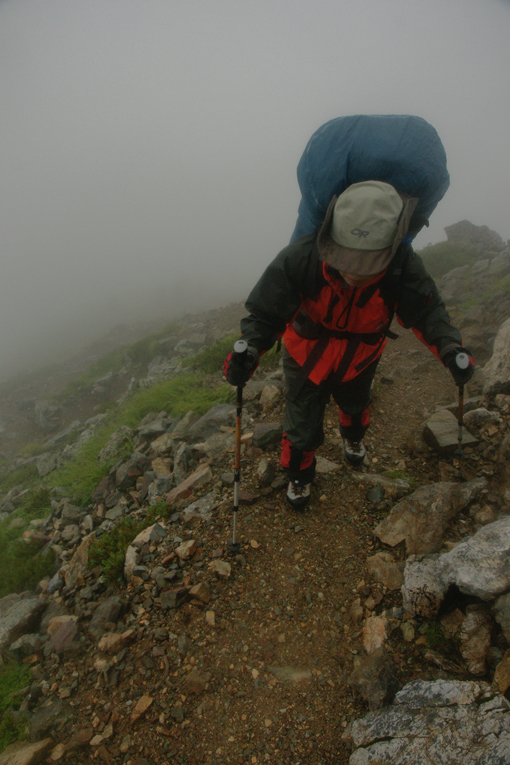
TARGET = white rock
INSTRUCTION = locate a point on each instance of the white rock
(497, 369)
(478, 567)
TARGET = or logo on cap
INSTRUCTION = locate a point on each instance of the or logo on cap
(360, 233)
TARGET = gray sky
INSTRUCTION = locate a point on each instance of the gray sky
(148, 148)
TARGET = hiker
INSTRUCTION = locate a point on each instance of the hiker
(331, 296)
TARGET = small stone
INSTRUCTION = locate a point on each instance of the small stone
(141, 707)
(383, 568)
(200, 592)
(374, 633)
(501, 680)
(113, 642)
(58, 752)
(210, 618)
(221, 568)
(187, 549)
(195, 682)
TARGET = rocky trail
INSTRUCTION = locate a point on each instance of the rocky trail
(276, 655)
(267, 656)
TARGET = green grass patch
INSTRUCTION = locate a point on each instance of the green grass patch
(13, 678)
(12, 729)
(138, 353)
(437, 640)
(33, 449)
(401, 475)
(502, 285)
(17, 477)
(210, 360)
(109, 551)
(183, 393)
(22, 564)
(444, 256)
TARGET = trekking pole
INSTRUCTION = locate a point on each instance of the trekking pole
(462, 361)
(240, 350)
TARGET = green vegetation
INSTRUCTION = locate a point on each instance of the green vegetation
(109, 551)
(210, 360)
(177, 396)
(401, 475)
(437, 640)
(502, 285)
(444, 256)
(33, 449)
(22, 564)
(138, 353)
(13, 678)
(9, 480)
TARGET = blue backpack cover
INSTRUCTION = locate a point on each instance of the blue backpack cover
(402, 150)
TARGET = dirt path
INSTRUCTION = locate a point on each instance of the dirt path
(267, 681)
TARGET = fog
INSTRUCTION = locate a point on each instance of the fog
(148, 148)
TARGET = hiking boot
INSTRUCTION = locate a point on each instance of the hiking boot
(298, 494)
(354, 452)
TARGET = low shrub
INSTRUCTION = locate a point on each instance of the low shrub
(22, 564)
(24, 475)
(109, 551)
(210, 360)
(82, 474)
(13, 678)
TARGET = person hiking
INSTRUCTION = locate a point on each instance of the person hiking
(331, 295)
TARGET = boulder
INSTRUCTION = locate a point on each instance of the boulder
(202, 475)
(129, 471)
(19, 615)
(24, 753)
(221, 415)
(375, 678)
(267, 434)
(478, 567)
(422, 517)
(441, 721)
(497, 369)
(77, 568)
(441, 433)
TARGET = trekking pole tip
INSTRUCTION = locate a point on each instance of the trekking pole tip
(233, 548)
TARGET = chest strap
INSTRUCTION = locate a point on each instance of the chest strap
(315, 331)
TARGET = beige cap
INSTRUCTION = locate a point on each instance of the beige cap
(364, 227)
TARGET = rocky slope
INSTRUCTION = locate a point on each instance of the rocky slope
(395, 580)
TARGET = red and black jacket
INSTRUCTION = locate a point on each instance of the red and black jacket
(331, 328)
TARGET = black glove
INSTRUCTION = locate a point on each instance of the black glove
(461, 364)
(238, 368)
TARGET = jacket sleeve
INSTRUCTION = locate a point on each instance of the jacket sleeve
(276, 297)
(420, 307)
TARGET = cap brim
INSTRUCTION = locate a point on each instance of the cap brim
(356, 262)
(362, 262)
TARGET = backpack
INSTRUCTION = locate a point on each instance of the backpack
(402, 150)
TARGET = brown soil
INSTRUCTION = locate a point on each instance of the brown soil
(287, 604)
